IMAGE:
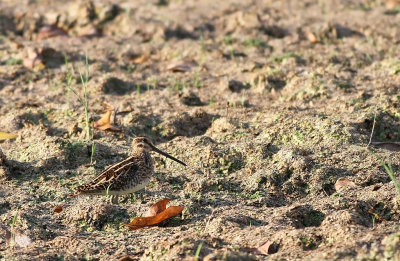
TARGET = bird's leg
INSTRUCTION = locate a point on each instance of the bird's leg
(114, 199)
(141, 194)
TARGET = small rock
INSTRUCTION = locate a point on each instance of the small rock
(268, 248)
(343, 184)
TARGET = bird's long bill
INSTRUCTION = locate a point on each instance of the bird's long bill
(167, 155)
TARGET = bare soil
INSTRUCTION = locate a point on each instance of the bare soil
(268, 102)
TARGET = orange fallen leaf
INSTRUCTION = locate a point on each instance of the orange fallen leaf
(157, 208)
(58, 209)
(104, 123)
(161, 215)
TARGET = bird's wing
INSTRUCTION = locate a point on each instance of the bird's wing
(110, 177)
(117, 165)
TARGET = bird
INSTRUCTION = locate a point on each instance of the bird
(127, 176)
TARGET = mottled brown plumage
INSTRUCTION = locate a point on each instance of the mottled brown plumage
(127, 176)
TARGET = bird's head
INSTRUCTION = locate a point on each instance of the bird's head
(144, 143)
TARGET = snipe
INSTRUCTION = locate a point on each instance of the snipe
(127, 176)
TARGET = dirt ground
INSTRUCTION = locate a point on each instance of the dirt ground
(269, 103)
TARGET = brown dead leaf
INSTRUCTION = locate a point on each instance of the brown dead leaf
(105, 124)
(392, 146)
(182, 66)
(7, 136)
(157, 208)
(161, 215)
(344, 183)
(49, 31)
(58, 209)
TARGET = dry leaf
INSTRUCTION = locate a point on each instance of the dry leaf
(104, 123)
(157, 208)
(344, 183)
(49, 31)
(7, 136)
(140, 222)
(58, 209)
(162, 215)
(392, 146)
(185, 66)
